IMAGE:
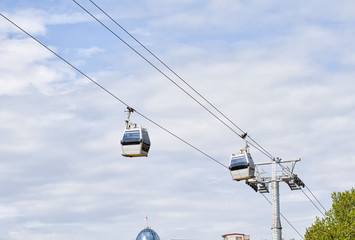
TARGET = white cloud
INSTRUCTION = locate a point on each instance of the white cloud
(88, 52)
(35, 26)
(7, 212)
(65, 18)
(26, 64)
(18, 132)
(281, 73)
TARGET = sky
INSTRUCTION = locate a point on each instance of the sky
(282, 71)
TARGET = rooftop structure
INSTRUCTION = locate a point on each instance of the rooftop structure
(236, 236)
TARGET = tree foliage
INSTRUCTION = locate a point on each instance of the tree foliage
(339, 221)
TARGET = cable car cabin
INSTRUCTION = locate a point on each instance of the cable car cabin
(242, 166)
(135, 142)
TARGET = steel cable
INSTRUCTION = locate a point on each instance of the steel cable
(253, 143)
(124, 103)
(110, 93)
(260, 148)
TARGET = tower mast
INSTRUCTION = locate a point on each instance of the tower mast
(261, 183)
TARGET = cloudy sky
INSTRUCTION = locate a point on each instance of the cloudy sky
(282, 71)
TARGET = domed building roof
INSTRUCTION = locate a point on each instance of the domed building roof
(147, 234)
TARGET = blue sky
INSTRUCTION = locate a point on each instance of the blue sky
(283, 71)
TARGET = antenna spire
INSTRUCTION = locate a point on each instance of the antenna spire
(146, 222)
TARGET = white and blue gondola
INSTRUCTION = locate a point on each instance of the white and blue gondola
(241, 165)
(135, 141)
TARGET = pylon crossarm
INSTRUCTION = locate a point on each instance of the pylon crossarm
(280, 161)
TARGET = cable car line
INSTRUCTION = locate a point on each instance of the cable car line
(110, 93)
(243, 135)
(260, 148)
(121, 101)
(253, 143)
(158, 125)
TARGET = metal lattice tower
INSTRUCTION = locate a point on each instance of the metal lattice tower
(261, 184)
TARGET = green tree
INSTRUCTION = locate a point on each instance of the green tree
(339, 221)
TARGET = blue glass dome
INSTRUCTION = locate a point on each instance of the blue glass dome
(147, 234)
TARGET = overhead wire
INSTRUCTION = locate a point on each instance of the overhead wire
(148, 119)
(253, 143)
(243, 135)
(124, 103)
(260, 148)
(113, 95)
(110, 93)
